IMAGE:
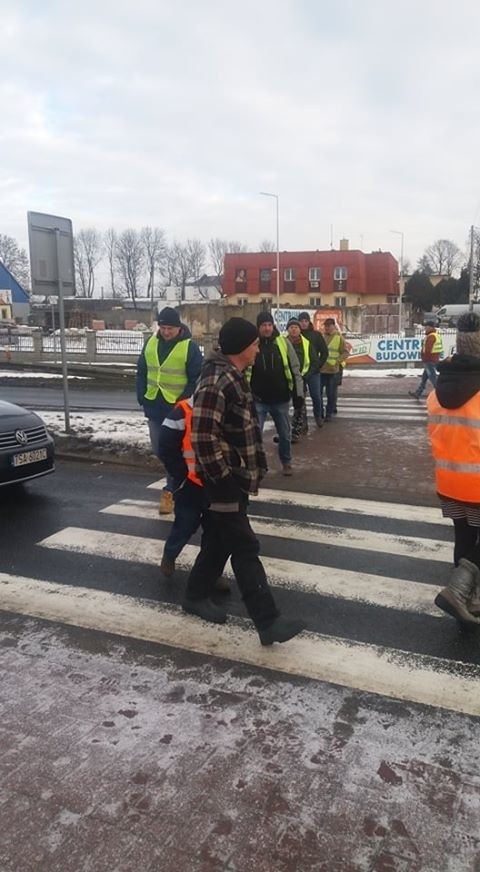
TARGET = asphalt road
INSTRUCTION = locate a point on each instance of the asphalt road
(83, 396)
(74, 496)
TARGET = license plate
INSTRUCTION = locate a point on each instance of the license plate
(30, 457)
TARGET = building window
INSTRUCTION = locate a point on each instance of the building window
(266, 301)
(242, 301)
(265, 276)
(340, 301)
(241, 277)
(392, 298)
(314, 273)
(315, 302)
(289, 274)
(340, 273)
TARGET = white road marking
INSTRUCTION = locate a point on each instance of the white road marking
(392, 673)
(372, 508)
(345, 584)
(318, 534)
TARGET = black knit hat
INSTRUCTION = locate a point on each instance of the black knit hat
(304, 316)
(468, 334)
(264, 318)
(168, 317)
(236, 335)
(293, 321)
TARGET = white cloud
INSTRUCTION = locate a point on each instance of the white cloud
(361, 116)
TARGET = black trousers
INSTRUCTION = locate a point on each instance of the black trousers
(467, 542)
(229, 534)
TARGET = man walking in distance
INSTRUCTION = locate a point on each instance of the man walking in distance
(432, 348)
(337, 353)
(313, 380)
(275, 378)
(308, 362)
(167, 370)
(231, 462)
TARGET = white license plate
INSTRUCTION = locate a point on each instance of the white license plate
(30, 457)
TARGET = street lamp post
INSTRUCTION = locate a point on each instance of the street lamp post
(400, 288)
(275, 196)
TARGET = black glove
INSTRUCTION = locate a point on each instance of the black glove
(298, 403)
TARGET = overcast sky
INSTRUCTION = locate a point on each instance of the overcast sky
(360, 115)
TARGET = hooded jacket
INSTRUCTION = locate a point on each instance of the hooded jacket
(318, 343)
(458, 380)
(268, 381)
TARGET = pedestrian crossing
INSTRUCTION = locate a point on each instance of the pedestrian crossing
(379, 408)
(362, 574)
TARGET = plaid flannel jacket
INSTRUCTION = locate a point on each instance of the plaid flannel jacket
(226, 436)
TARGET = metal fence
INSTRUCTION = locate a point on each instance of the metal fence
(119, 342)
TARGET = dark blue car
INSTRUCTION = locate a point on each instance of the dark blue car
(26, 448)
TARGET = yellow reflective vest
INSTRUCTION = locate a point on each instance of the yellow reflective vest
(333, 343)
(170, 376)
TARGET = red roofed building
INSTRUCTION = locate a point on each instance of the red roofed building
(312, 278)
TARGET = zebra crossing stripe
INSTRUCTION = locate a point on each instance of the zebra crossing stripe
(371, 668)
(372, 508)
(320, 534)
(344, 584)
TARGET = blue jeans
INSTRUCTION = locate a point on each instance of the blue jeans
(315, 391)
(281, 419)
(429, 372)
(190, 502)
(329, 382)
(154, 428)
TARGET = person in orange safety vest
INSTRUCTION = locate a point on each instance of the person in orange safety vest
(177, 455)
(454, 431)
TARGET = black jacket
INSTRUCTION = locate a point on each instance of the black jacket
(268, 382)
(458, 380)
(319, 345)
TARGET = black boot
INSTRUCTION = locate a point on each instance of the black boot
(205, 609)
(281, 630)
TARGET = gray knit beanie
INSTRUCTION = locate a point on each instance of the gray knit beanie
(468, 334)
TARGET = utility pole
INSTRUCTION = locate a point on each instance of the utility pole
(471, 289)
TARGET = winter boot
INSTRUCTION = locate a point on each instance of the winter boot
(167, 566)
(453, 599)
(165, 506)
(281, 630)
(474, 602)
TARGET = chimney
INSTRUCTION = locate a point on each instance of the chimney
(344, 244)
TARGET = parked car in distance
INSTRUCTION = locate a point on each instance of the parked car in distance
(26, 447)
(449, 315)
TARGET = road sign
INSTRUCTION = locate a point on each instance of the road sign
(51, 262)
(44, 232)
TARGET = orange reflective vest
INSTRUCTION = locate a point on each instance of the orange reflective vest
(455, 439)
(187, 450)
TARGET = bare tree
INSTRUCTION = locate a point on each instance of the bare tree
(155, 252)
(130, 260)
(87, 252)
(267, 245)
(110, 244)
(185, 262)
(15, 259)
(443, 257)
(217, 249)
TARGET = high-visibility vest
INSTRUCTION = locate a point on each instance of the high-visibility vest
(437, 346)
(333, 349)
(455, 440)
(187, 450)
(170, 376)
(306, 353)
(281, 342)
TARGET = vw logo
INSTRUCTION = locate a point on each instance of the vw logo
(21, 437)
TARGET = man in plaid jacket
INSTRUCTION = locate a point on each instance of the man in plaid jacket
(231, 463)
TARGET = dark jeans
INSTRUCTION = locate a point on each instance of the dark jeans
(154, 430)
(280, 415)
(467, 542)
(229, 534)
(315, 390)
(190, 502)
(329, 383)
(429, 372)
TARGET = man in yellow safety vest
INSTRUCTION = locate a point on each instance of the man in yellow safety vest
(167, 371)
(337, 354)
(432, 349)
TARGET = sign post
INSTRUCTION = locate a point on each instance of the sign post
(51, 259)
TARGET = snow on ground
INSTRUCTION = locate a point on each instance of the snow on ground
(7, 373)
(371, 372)
(117, 431)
